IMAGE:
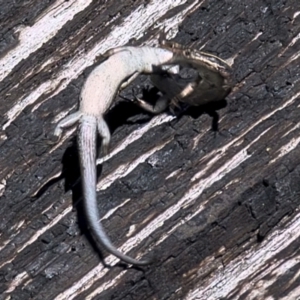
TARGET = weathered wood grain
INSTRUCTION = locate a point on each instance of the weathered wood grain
(220, 212)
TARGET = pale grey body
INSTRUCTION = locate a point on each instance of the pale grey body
(123, 65)
(99, 90)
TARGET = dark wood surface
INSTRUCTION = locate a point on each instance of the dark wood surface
(218, 210)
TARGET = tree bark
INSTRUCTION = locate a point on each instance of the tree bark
(212, 195)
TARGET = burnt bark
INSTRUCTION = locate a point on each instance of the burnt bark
(218, 210)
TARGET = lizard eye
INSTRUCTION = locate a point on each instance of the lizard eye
(187, 52)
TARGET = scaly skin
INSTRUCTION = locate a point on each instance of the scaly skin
(122, 66)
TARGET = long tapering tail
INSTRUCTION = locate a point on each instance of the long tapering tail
(87, 148)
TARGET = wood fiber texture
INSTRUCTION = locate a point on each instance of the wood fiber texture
(219, 211)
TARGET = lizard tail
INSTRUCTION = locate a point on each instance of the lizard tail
(87, 148)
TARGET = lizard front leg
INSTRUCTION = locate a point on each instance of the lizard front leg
(174, 92)
(129, 81)
(160, 105)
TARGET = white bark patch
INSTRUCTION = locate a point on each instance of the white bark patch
(32, 38)
(254, 270)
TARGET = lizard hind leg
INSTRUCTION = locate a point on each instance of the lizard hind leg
(104, 132)
(65, 123)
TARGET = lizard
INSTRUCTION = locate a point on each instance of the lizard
(212, 83)
(121, 66)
